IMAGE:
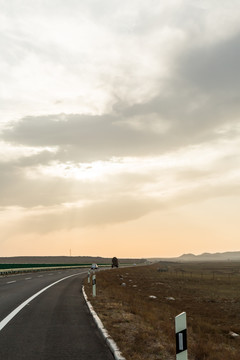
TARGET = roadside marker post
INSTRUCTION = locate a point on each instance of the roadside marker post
(89, 276)
(181, 336)
(94, 285)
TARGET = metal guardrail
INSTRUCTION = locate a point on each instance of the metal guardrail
(44, 267)
(7, 269)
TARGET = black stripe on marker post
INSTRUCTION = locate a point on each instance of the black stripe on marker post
(181, 341)
(94, 285)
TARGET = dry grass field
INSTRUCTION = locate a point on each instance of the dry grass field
(143, 327)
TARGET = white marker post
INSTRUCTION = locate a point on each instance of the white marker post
(94, 285)
(89, 276)
(181, 336)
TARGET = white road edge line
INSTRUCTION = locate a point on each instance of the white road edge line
(109, 341)
(10, 316)
(10, 282)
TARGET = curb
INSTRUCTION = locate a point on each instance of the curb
(109, 341)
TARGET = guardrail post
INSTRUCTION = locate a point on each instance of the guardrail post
(181, 336)
(89, 276)
(94, 285)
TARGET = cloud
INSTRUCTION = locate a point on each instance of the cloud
(99, 213)
(155, 58)
(104, 84)
(213, 68)
(199, 97)
(16, 189)
(149, 129)
(110, 212)
(26, 183)
(84, 137)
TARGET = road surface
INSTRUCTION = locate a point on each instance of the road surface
(55, 324)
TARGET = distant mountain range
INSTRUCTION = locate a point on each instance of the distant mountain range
(230, 255)
(226, 256)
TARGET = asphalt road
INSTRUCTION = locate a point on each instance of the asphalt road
(55, 324)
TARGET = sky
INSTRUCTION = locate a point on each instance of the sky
(119, 127)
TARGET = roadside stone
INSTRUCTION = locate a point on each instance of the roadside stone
(233, 334)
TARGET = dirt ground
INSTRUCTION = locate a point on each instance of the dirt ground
(138, 305)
